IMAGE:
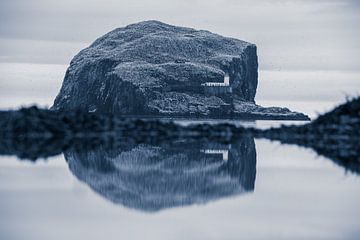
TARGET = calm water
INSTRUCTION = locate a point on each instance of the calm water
(249, 189)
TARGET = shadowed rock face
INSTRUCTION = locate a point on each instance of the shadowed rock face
(151, 178)
(152, 68)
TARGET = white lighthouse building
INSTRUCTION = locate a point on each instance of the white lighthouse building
(226, 82)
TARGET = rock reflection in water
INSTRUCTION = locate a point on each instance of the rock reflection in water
(155, 177)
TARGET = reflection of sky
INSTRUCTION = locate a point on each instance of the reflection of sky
(300, 34)
(297, 195)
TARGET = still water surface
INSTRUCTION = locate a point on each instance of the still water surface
(277, 192)
(249, 189)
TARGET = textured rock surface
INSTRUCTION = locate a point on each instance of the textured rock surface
(151, 68)
(155, 177)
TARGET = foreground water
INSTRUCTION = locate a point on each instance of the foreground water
(248, 189)
(277, 192)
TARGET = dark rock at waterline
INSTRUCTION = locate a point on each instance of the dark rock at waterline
(155, 177)
(34, 133)
(335, 135)
(152, 68)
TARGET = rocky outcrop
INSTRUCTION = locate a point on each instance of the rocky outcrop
(152, 68)
(335, 135)
(155, 177)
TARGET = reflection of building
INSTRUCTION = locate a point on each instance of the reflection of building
(224, 153)
(218, 150)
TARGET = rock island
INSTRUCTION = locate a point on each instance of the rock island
(155, 69)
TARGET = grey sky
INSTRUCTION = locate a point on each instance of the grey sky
(300, 34)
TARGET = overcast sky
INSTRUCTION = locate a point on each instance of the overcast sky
(290, 34)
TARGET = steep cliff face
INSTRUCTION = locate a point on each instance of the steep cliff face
(155, 68)
(92, 88)
(155, 177)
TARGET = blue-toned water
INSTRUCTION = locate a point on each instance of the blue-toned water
(248, 189)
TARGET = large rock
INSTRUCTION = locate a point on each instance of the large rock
(152, 68)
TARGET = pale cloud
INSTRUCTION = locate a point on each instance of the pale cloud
(289, 34)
